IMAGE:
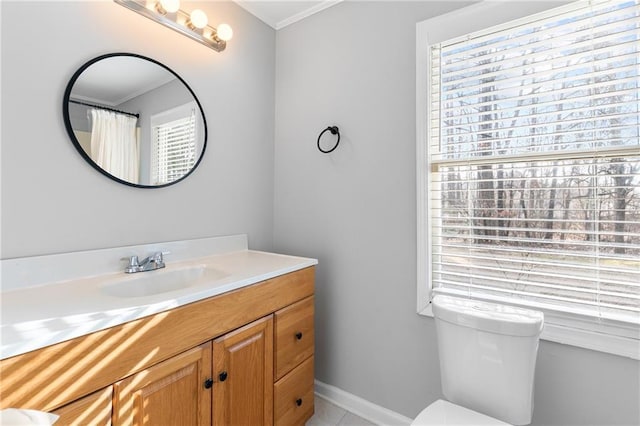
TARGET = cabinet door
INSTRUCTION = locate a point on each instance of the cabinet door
(173, 392)
(94, 409)
(243, 375)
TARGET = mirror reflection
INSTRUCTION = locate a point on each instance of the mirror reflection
(135, 120)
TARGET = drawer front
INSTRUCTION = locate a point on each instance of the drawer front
(294, 335)
(293, 396)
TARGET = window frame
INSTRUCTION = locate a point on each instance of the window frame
(609, 336)
(167, 116)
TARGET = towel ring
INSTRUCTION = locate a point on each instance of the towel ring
(334, 131)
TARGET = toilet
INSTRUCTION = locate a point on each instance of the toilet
(487, 363)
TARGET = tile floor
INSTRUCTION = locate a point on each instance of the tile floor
(327, 414)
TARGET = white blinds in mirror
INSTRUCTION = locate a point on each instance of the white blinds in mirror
(174, 149)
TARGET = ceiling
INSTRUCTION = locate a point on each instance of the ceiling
(117, 79)
(279, 14)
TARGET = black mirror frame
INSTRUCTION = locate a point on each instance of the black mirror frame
(76, 143)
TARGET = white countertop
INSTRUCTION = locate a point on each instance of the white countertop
(41, 315)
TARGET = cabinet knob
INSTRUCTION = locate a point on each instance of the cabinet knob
(223, 376)
(208, 383)
(299, 335)
(299, 402)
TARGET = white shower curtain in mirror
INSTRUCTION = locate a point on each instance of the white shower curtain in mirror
(114, 144)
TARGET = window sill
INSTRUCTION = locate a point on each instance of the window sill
(587, 339)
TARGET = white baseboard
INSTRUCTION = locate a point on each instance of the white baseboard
(360, 407)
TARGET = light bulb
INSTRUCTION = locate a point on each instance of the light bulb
(169, 6)
(198, 19)
(224, 32)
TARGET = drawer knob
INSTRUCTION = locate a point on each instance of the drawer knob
(299, 335)
(299, 402)
(208, 383)
(223, 376)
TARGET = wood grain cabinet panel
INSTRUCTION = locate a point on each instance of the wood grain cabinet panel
(243, 375)
(83, 365)
(294, 340)
(92, 410)
(172, 392)
(214, 361)
(293, 396)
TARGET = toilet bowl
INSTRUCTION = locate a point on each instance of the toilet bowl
(444, 413)
(487, 363)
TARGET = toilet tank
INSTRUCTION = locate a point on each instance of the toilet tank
(488, 356)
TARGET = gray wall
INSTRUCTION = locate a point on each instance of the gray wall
(353, 65)
(53, 201)
(78, 116)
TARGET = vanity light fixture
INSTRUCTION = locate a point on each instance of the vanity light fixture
(167, 6)
(193, 25)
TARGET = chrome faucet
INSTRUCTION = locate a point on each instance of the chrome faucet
(151, 263)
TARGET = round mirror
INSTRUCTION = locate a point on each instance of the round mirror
(135, 120)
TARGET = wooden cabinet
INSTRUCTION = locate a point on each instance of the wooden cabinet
(243, 375)
(94, 410)
(228, 381)
(244, 357)
(174, 392)
(294, 341)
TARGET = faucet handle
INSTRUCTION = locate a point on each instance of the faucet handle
(134, 264)
(133, 260)
(159, 256)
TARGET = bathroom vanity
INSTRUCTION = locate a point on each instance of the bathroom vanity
(234, 349)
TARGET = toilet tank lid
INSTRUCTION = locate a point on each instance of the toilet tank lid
(487, 316)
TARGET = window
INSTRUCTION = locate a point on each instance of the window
(531, 167)
(173, 151)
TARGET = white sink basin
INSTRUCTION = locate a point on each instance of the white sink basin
(142, 284)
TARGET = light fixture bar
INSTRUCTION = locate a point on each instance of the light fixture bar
(178, 22)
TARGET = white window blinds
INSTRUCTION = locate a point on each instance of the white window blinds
(534, 152)
(174, 149)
